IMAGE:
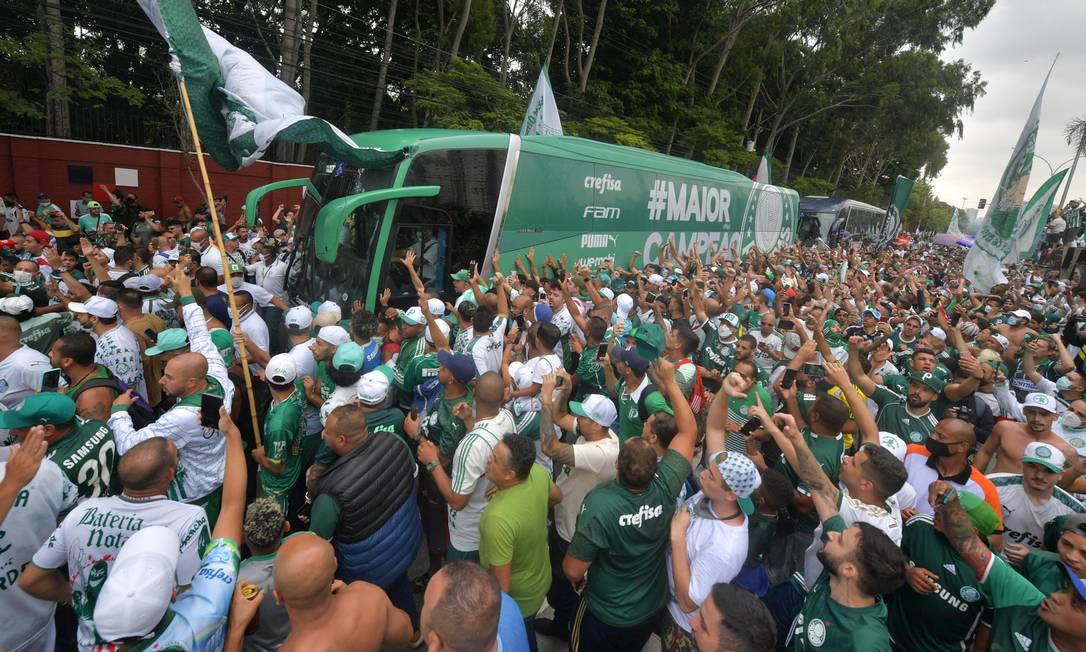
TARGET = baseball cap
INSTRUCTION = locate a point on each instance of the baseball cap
(43, 195)
(649, 340)
(1046, 455)
(299, 318)
(656, 279)
(348, 355)
(224, 342)
(1039, 400)
(327, 314)
(462, 367)
(461, 275)
(43, 408)
(597, 407)
(543, 313)
(607, 293)
(16, 305)
(894, 444)
(372, 388)
(281, 369)
(741, 475)
(40, 236)
(939, 333)
(634, 361)
(968, 328)
(93, 204)
(178, 198)
(981, 514)
(170, 339)
(1003, 341)
(521, 374)
(1076, 581)
(624, 304)
(97, 306)
(443, 326)
(436, 306)
(145, 283)
(874, 313)
(413, 316)
(230, 235)
(140, 585)
(930, 380)
(1022, 314)
(334, 335)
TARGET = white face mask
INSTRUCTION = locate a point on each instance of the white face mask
(22, 277)
(236, 281)
(1071, 420)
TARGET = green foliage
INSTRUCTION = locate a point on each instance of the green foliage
(465, 96)
(611, 129)
(925, 210)
(807, 186)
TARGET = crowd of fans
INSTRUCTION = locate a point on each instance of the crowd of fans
(819, 448)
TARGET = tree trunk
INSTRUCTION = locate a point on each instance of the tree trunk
(729, 43)
(442, 29)
(840, 171)
(415, 66)
(554, 32)
(791, 153)
(460, 26)
(509, 23)
(565, 54)
(307, 66)
(587, 68)
(382, 73)
(750, 107)
(806, 164)
(774, 131)
(1079, 151)
(58, 122)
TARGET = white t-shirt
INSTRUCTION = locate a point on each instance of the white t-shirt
(256, 329)
(272, 278)
(852, 511)
(564, 321)
(261, 296)
(469, 465)
(119, 352)
(541, 365)
(1024, 521)
(212, 258)
(92, 534)
(593, 465)
(486, 350)
(303, 358)
(716, 552)
(31, 520)
(20, 376)
(773, 342)
(339, 396)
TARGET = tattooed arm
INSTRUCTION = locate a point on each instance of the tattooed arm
(548, 441)
(958, 530)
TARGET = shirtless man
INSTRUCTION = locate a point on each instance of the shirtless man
(326, 614)
(1008, 440)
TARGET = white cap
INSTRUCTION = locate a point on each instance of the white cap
(625, 305)
(413, 316)
(1023, 314)
(299, 318)
(372, 388)
(656, 279)
(145, 283)
(894, 444)
(607, 292)
(1003, 341)
(334, 335)
(596, 407)
(436, 306)
(1046, 455)
(281, 369)
(823, 276)
(97, 306)
(442, 325)
(16, 305)
(140, 586)
(939, 333)
(1042, 401)
(329, 306)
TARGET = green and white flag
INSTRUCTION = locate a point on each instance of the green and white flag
(997, 242)
(765, 171)
(542, 117)
(1034, 216)
(903, 187)
(238, 106)
(953, 228)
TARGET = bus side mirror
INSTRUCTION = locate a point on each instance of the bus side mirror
(256, 194)
(330, 219)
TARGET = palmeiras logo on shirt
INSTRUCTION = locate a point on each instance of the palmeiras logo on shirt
(969, 594)
(816, 632)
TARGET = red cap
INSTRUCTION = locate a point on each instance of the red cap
(40, 236)
(178, 198)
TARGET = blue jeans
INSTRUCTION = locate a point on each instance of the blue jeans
(399, 593)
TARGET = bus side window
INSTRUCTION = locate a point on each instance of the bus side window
(430, 244)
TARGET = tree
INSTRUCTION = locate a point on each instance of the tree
(1076, 136)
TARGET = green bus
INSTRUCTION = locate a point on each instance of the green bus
(456, 196)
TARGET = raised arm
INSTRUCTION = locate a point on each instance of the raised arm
(869, 432)
(955, 525)
(228, 526)
(824, 494)
(408, 261)
(855, 369)
(549, 443)
(663, 374)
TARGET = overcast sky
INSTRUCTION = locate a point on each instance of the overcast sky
(1013, 48)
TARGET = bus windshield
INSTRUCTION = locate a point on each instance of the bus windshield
(347, 279)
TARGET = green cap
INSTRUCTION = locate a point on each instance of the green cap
(348, 355)
(224, 342)
(930, 380)
(981, 514)
(462, 275)
(170, 339)
(44, 408)
(650, 341)
(235, 269)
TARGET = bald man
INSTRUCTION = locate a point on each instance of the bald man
(326, 615)
(200, 371)
(465, 491)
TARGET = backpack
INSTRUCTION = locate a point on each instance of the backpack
(140, 412)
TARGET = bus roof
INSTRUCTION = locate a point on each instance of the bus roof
(821, 204)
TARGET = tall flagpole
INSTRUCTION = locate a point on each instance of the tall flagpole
(222, 251)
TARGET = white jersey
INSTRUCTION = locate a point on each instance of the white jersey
(202, 451)
(303, 358)
(886, 518)
(715, 550)
(773, 342)
(564, 321)
(468, 479)
(89, 538)
(118, 351)
(1023, 520)
(486, 350)
(31, 520)
(272, 278)
(20, 376)
(339, 396)
(1076, 438)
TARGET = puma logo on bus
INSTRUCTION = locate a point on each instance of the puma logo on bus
(603, 184)
(596, 240)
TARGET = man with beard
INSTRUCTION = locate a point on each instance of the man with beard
(910, 416)
(1007, 443)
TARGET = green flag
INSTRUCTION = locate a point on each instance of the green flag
(238, 106)
(903, 187)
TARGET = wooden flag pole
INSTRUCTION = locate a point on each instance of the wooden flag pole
(222, 252)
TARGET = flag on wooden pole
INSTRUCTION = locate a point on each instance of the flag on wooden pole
(542, 117)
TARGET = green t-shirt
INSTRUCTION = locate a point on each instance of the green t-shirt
(828, 451)
(942, 620)
(900, 348)
(825, 624)
(590, 373)
(89, 224)
(1016, 627)
(715, 355)
(513, 531)
(629, 418)
(408, 350)
(39, 333)
(895, 418)
(443, 428)
(1043, 570)
(527, 425)
(88, 456)
(624, 534)
(324, 380)
(739, 413)
(284, 425)
(421, 368)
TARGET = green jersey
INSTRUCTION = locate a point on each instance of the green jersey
(324, 380)
(408, 350)
(828, 451)
(901, 348)
(894, 417)
(590, 374)
(527, 425)
(714, 354)
(624, 534)
(738, 414)
(421, 369)
(284, 425)
(1016, 627)
(630, 423)
(40, 332)
(88, 456)
(899, 385)
(825, 624)
(442, 427)
(1043, 570)
(944, 620)
(388, 421)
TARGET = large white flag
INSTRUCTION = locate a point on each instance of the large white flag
(764, 174)
(542, 117)
(995, 245)
(953, 228)
(238, 106)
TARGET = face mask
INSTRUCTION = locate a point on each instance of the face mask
(22, 277)
(236, 281)
(1063, 383)
(725, 332)
(1012, 321)
(937, 448)
(1071, 420)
